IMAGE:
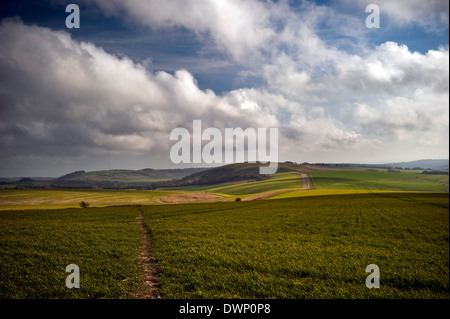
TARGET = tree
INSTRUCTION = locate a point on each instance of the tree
(84, 204)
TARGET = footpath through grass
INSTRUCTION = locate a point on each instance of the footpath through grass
(311, 247)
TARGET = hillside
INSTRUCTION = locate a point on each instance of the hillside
(130, 176)
(105, 179)
(203, 177)
(431, 164)
(239, 172)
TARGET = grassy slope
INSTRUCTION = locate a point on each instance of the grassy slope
(126, 176)
(239, 170)
(337, 181)
(304, 248)
(280, 181)
(134, 176)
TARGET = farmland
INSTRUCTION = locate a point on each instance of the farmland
(293, 244)
(314, 247)
(281, 181)
(380, 180)
(310, 247)
(51, 199)
(37, 246)
(283, 184)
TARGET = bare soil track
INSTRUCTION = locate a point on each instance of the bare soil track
(188, 197)
(150, 288)
(307, 181)
(266, 195)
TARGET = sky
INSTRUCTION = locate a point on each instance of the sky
(108, 94)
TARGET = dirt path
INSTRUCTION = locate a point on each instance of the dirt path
(307, 182)
(187, 197)
(265, 195)
(150, 288)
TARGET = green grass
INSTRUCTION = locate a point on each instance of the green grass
(322, 192)
(36, 247)
(380, 180)
(356, 180)
(311, 247)
(348, 181)
(280, 181)
(300, 244)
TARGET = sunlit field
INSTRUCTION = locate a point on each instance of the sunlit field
(306, 247)
(51, 199)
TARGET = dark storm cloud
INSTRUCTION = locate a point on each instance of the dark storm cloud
(60, 98)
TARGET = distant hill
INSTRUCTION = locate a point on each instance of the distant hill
(105, 179)
(72, 175)
(229, 173)
(129, 176)
(162, 178)
(433, 164)
(250, 171)
(169, 178)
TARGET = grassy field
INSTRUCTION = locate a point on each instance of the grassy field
(51, 199)
(312, 247)
(380, 180)
(322, 192)
(280, 181)
(299, 244)
(357, 180)
(36, 247)
(332, 182)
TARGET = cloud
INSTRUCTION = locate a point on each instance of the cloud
(421, 12)
(52, 83)
(61, 94)
(431, 14)
(236, 27)
(61, 98)
(420, 118)
(394, 70)
(71, 95)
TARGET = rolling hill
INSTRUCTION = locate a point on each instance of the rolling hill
(236, 172)
(202, 177)
(433, 164)
(137, 176)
